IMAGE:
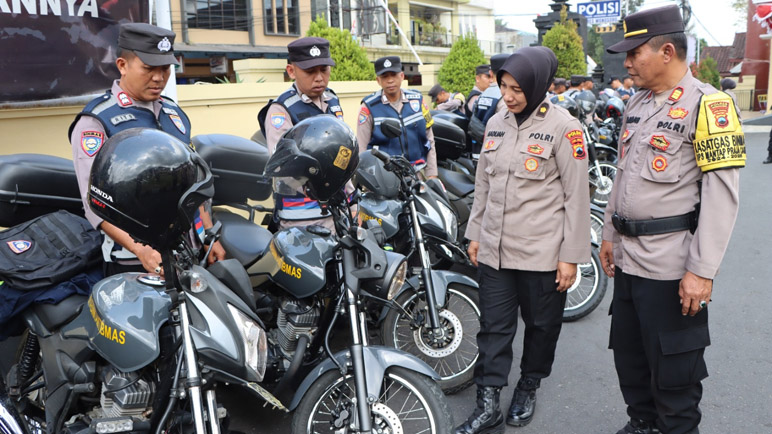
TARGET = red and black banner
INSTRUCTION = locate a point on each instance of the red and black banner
(61, 48)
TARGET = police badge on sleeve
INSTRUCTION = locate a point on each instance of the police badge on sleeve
(415, 105)
(91, 142)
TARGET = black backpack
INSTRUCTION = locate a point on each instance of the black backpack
(47, 250)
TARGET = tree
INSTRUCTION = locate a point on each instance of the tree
(707, 72)
(351, 63)
(563, 39)
(595, 46)
(457, 71)
(633, 5)
(741, 9)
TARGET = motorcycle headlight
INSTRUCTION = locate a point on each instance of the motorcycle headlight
(449, 217)
(255, 342)
(395, 275)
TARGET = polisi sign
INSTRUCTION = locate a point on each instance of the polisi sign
(599, 12)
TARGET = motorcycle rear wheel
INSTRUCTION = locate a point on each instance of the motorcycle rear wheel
(587, 292)
(409, 402)
(454, 356)
(604, 182)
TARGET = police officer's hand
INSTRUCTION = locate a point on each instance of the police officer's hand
(150, 258)
(474, 246)
(607, 257)
(566, 275)
(216, 254)
(693, 289)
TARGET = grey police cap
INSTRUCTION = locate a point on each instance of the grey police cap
(153, 45)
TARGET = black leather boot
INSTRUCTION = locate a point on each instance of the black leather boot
(768, 160)
(523, 402)
(638, 426)
(486, 418)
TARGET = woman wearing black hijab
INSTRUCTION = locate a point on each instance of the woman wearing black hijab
(528, 229)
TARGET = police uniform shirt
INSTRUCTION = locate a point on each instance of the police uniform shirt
(532, 192)
(455, 102)
(89, 127)
(365, 131)
(658, 174)
(274, 131)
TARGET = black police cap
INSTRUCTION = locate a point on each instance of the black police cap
(482, 69)
(497, 61)
(435, 91)
(388, 64)
(153, 45)
(576, 80)
(642, 26)
(309, 52)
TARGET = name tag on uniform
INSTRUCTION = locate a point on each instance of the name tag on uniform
(169, 111)
(115, 120)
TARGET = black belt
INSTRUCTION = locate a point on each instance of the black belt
(663, 225)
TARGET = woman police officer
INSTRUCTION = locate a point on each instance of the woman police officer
(529, 228)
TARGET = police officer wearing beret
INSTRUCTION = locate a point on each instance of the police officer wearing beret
(668, 223)
(145, 55)
(528, 230)
(309, 64)
(482, 80)
(403, 104)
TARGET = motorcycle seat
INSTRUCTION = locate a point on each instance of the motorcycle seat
(53, 316)
(456, 183)
(242, 239)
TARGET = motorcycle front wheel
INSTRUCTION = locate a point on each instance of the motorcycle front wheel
(451, 355)
(588, 290)
(409, 402)
(602, 177)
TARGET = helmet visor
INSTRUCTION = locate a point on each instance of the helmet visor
(290, 186)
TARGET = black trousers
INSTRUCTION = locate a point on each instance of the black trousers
(502, 293)
(769, 145)
(658, 352)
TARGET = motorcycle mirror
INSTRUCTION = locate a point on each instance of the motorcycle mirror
(391, 128)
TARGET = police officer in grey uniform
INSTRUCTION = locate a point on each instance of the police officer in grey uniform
(668, 222)
(482, 80)
(528, 229)
(146, 53)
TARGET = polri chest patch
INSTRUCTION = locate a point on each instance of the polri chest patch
(19, 246)
(177, 121)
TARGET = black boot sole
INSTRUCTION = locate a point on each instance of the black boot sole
(519, 422)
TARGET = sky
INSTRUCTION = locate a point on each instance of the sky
(712, 23)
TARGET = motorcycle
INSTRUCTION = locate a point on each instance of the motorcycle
(439, 325)
(138, 354)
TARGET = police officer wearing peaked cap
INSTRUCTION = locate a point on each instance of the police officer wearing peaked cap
(668, 223)
(145, 54)
(417, 143)
(482, 80)
(309, 64)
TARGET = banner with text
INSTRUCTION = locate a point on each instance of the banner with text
(600, 12)
(60, 48)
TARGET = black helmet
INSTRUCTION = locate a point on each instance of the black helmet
(374, 177)
(614, 108)
(319, 154)
(586, 101)
(567, 103)
(149, 184)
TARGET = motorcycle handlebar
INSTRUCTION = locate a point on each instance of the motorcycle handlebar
(377, 153)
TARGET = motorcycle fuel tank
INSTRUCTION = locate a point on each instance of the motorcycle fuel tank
(386, 212)
(122, 318)
(297, 258)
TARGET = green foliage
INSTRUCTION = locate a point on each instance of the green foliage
(595, 46)
(564, 40)
(707, 72)
(741, 10)
(633, 6)
(351, 63)
(457, 71)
